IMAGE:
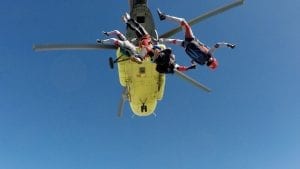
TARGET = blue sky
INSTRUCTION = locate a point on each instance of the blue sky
(58, 109)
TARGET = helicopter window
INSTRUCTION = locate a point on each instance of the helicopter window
(140, 19)
(142, 70)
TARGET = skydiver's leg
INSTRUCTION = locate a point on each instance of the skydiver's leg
(116, 33)
(135, 29)
(185, 26)
(122, 44)
(188, 33)
(134, 25)
(111, 41)
(135, 56)
(140, 27)
(140, 31)
(221, 45)
(128, 47)
(178, 42)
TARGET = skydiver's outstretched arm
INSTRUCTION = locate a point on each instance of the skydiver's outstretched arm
(112, 41)
(184, 68)
(181, 68)
(137, 26)
(222, 45)
(126, 45)
(115, 33)
(166, 41)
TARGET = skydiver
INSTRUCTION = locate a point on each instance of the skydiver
(125, 45)
(196, 50)
(144, 38)
(164, 59)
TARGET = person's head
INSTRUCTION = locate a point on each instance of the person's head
(145, 41)
(212, 63)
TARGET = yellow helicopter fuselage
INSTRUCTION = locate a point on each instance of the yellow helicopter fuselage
(145, 86)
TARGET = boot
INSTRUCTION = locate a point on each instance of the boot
(161, 15)
(99, 41)
(231, 46)
(105, 33)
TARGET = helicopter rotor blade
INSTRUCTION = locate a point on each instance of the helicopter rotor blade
(203, 17)
(191, 80)
(53, 47)
(122, 102)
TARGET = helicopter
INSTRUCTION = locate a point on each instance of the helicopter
(142, 85)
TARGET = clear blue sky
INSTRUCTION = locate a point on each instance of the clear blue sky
(58, 109)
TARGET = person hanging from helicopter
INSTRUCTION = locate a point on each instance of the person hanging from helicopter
(143, 37)
(126, 47)
(195, 49)
(165, 61)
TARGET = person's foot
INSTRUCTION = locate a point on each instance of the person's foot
(105, 33)
(231, 46)
(125, 20)
(161, 15)
(99, 41)
(127, 16)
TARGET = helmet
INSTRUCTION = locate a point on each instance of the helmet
(213, 63)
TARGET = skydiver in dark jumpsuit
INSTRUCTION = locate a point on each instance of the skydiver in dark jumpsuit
(196, 50)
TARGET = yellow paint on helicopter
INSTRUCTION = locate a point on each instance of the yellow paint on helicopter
(145, 86)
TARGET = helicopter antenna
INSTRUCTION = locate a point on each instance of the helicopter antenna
(154, 114)
(124, 97)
